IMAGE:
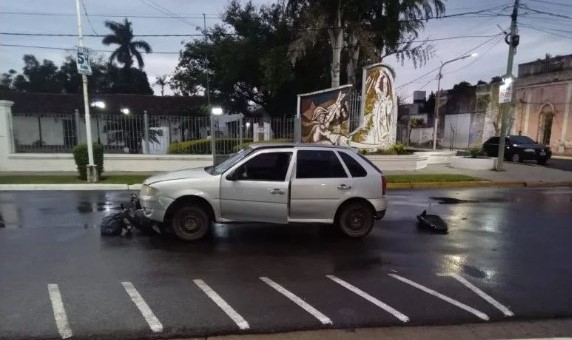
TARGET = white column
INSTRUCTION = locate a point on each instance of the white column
(527, 114)
(6, 136)
(565, 119)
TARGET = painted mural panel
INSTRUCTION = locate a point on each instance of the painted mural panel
(325, 114)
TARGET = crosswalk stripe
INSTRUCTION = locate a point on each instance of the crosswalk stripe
(369, 298)
(303, 304)
(480, 293)
(461, 305)
(59, 312)
(239, 320)
(143, 307)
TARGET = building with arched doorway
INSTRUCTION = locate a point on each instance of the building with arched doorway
(543, 93)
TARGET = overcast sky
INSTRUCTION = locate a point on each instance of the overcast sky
(540, 34)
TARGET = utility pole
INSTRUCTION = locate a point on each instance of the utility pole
(92, 175)
(208, 90)
(512, 40)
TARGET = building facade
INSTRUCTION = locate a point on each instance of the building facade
(543, 93)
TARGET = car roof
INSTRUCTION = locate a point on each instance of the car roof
(297, 146)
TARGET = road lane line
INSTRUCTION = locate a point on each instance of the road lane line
(143, 307)
(59, 311)
(317, 314)
(480, 293)
(238, 320)
(461, 305)
(369, 298)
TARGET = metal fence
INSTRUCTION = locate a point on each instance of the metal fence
(146, 134)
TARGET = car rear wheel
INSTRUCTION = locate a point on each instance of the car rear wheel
(516, 158)
(190, 223)
(356, 220)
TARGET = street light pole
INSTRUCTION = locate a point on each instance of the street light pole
(92, 175)
(438, 98)
(512, 44)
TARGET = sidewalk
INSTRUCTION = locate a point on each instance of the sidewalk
(545, 329)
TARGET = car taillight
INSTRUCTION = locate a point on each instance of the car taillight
(383, 185)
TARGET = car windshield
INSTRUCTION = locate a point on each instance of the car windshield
(522, 140)
(229, 162)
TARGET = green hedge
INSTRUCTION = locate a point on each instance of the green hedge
(81, 158)
(223, 146)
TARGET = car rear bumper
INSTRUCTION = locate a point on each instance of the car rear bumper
(380, 206)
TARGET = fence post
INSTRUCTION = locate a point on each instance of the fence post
(297, 130)
(240, 127)
(213, 142)
(7, 143)
(77, 127)
(146, 131)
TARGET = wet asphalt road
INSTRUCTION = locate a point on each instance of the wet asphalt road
(513, 245)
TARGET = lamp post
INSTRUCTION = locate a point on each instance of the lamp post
(100, 105)
(215, 111)
(438, 98)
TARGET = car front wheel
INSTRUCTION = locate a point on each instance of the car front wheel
(516, 158)
(190, 223)
(356, 220)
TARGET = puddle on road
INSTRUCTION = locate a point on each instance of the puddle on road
(452, 200)
(89, 207)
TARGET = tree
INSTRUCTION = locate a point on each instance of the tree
(133, 81)
(244, 60)
(161, 81)
(37, 77)
(7, 80)
(98, 81)
(366, 30)
(122, 35)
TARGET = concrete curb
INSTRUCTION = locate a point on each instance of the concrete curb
(70, 187)
(477, 184)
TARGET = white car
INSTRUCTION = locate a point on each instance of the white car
(270, 183)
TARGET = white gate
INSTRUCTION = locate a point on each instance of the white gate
(457, 128)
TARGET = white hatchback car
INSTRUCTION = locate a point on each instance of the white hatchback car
(270, 183)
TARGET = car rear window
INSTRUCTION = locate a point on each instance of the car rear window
(356, 170)
(319, 164)
(369, 162)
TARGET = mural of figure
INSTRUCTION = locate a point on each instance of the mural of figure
(325, 114)
(325, 119)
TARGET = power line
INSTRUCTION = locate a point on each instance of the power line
(164, 10)
(55, 14)
(480, 55)
(97, 35)
(545, 31)
(546, 13)
(552, 3)
(87, 16)
(72, 49)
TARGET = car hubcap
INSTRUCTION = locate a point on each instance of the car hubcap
(190, 223)
(356, 220)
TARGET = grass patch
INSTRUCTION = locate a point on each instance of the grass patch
(425, 178)
(67, 179)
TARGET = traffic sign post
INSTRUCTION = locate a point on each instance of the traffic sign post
(82, 61)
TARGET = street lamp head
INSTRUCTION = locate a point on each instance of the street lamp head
(125, 110)
(247, 125)
(474, 54)
(216, 111)
(507, 80)
(100, 104)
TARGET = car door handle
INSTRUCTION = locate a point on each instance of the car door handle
(344, 187)
(276, 192)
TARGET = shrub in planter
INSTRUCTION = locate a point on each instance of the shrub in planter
(81, 158)
(475, 152)
(203, 146)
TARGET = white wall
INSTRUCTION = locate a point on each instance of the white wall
(457, 128)
(421, 135)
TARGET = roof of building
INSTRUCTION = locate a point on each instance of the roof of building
(32, 103)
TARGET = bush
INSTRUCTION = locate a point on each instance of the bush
(247, 144)
(396, 149)
(475, 152)
(81, 158)
(224, 146)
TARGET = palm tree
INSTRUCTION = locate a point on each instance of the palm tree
(162, 81)
(363, 29)
(128, 48)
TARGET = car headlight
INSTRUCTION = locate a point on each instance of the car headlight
(147, 190)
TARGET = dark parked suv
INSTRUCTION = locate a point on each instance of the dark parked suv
(518, 149)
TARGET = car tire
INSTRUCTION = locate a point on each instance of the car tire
(190, 222)
(515, 158)
(542, 161)
(356, 220)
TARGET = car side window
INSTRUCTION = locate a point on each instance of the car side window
(319, 164)
(493, 140)
(269, 166)
(356, 170)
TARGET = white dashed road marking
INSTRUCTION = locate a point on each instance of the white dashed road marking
(369, 298)
(317, 314)
(59, 311)
(480, 293)
(239, 320)
(148, 314)
(461, 305)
